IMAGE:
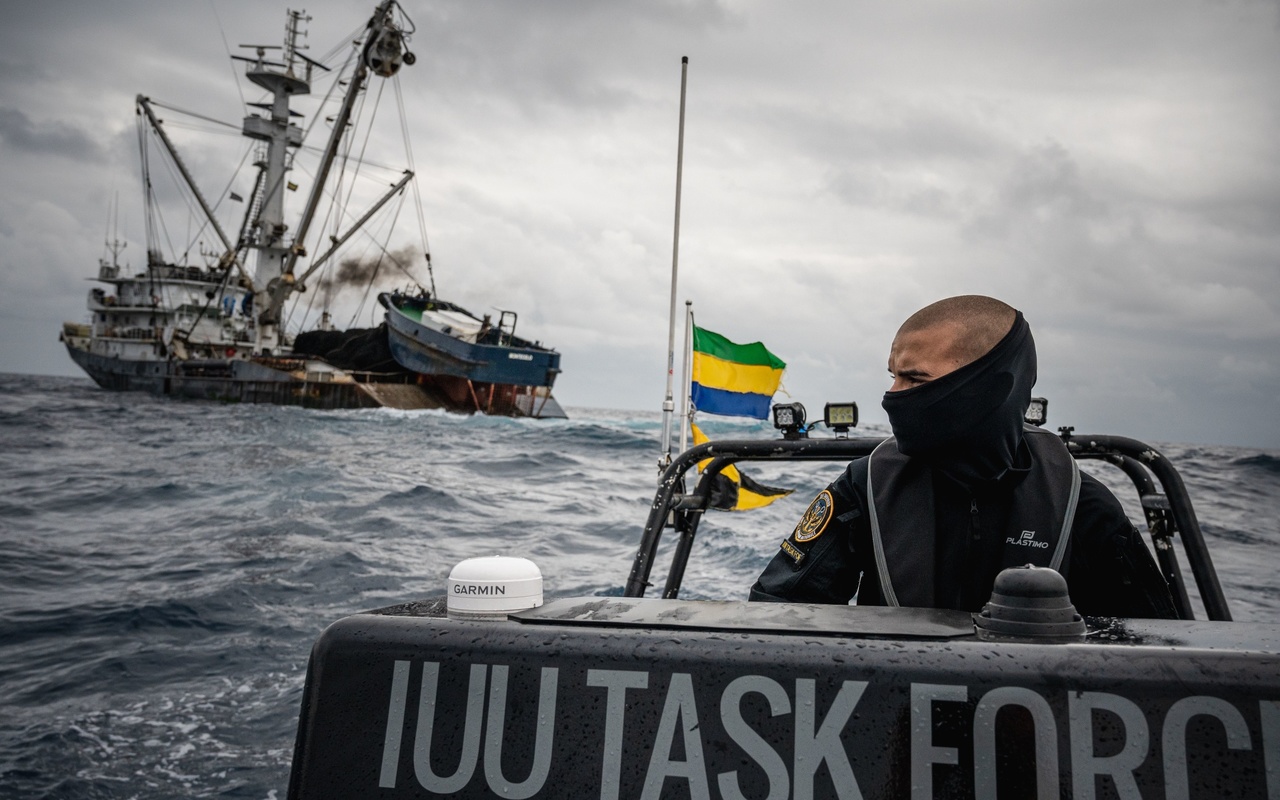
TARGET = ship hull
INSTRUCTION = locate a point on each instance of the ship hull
(419, 348)
(222, 380)
(509, 379)
(494, 399)
(243, 381)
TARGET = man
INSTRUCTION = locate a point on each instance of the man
(964, 489)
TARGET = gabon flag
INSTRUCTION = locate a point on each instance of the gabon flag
(733, 491)
(736, 380)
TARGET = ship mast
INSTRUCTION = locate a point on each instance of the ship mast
(279, 133)
(382, 52)
(144, 106)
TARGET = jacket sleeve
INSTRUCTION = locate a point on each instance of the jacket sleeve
(817, 563)
(1112, 573)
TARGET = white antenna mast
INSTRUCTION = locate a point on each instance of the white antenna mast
(668, 404)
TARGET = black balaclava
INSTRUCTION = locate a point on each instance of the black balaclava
(968, 423)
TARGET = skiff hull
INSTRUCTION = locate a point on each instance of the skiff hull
(630, 697)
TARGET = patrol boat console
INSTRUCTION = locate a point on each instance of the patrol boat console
(626, 697)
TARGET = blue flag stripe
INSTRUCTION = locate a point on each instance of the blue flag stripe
(730, 404)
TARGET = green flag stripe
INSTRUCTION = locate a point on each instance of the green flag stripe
(756, 354)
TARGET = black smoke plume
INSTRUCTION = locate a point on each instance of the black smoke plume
(365, 274)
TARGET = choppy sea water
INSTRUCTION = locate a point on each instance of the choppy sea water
(165, 566)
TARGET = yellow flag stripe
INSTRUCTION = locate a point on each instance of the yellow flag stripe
(698, 438)
(716, 373)
(748, 499)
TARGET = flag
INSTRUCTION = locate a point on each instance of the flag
(237, 198)
(736, 380)
(733, 491)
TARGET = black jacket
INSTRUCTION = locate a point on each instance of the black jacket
(1108, 568)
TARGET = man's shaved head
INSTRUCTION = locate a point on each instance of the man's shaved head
(978, 323)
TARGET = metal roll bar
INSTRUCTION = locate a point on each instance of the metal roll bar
(1168, 513)
(1181, 515)
(685, 511)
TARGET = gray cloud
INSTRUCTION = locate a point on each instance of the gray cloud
(1111, 169)
(1040, 188)
(56, 138)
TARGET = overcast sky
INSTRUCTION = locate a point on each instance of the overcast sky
(1111, 169)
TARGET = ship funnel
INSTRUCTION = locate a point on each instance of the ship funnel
(491, 587)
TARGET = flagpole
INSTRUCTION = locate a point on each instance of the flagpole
(686, 414)
(668, 405)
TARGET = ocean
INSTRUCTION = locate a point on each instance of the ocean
(167, 565)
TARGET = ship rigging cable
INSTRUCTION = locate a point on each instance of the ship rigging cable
(417, 194)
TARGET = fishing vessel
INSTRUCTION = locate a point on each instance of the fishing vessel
(492, 690)
(239, 326)
(472, 359)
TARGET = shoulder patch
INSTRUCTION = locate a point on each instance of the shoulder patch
(794, 553)
(815, 518)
